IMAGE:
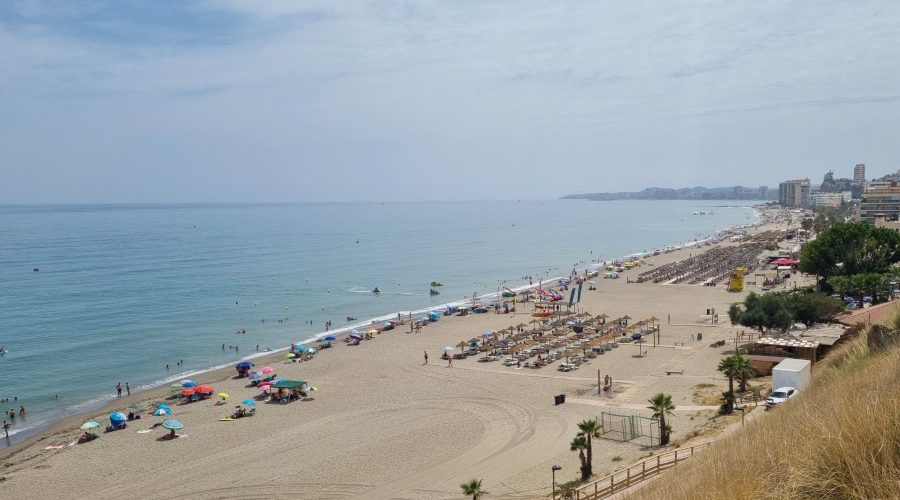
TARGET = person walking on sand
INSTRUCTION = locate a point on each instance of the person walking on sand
(127, 389)
(119, 390)
(449, 360)
(426, 357)
(6, 426)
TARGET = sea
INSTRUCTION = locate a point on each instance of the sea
(95, 295)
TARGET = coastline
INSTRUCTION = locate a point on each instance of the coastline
(221, 373)
(415, 429)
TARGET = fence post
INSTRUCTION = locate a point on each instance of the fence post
(676, 457)
(643, 470)
(627, 477)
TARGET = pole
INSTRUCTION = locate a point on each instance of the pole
(553, 485)
(599, 388)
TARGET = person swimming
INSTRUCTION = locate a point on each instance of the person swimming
(376, 290)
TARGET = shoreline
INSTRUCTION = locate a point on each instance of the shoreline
(220, 373)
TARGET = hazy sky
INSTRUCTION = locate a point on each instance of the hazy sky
(156, 101)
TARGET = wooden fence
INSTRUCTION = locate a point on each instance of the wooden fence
(640, 471)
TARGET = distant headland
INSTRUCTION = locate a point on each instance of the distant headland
(762, 193)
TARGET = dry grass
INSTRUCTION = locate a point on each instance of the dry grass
(838, 439)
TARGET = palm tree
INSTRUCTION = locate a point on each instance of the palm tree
(661, 404)
(579, 444)
(728, 366)
(744, 370)
(590, 429)
(473, 488)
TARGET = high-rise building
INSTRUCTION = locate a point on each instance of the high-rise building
(794, 193)
(764, 192)
(879, 198)
(859, 174)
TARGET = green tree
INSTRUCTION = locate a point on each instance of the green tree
(473, 488)
(579, 444)
(729, 367)
(840, 284)
(590, 429)
(763, 312)
(661, 404)
(811, 308)
(850, 248)
(744, 370)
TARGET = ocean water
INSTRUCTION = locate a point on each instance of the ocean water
(122, 291)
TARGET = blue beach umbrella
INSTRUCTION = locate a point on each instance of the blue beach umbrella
(188, 383)
(162, 412)
(248, 402)
(172, 425)
(117, 418)
(330, 337)
(90, 425)
(244, 364)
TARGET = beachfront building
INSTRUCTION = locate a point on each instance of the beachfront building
(859, 174)
(794, 193)
(820, 199)
(879, 197)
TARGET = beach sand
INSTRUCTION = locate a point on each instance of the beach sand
(385, 425)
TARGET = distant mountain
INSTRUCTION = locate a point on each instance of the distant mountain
(695, 193)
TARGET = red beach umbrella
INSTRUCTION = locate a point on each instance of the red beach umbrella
(187, 391)
(204, 389)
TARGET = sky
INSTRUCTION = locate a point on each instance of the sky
(124, 101)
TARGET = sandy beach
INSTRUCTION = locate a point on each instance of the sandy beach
(386, 425)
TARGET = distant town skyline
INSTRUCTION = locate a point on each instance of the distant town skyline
(293, 101)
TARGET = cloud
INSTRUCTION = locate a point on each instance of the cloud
(248, 97)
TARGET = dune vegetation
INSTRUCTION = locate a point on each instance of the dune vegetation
(838, 439)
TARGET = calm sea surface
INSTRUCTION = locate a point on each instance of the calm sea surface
(123, 290)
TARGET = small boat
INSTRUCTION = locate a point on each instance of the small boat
(434, 292)
(376, 291)
(436, 283)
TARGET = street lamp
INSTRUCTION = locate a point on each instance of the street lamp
(553, 491)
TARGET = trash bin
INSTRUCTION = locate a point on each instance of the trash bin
(559, 399)
(699, 336)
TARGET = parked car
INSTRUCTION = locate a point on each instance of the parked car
(779, 396)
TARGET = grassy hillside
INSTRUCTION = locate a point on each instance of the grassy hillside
(838, 439)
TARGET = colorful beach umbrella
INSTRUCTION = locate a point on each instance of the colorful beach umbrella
(116, 418)
(90, 425)
(204, 389)
(176, 385)
(291, 355)
(248, 402)
(172, 425)
(244, 364)
(267, 369)
(223, 395)
(162, 412)
(330, 337)
(355, 336)
(187, 391)
(188, 383)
